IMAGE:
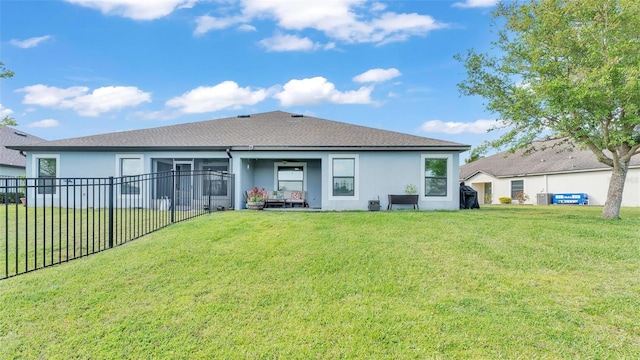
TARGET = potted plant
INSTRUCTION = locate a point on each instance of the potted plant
(256, 198)
(411, 189)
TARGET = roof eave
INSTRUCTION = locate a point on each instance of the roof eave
(457, 148)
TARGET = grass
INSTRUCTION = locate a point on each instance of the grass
(33, 238)
(499, 282)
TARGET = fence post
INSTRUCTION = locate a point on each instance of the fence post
(210, 178)
(110, 211)
(173, 197)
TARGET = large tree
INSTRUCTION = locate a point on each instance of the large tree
(566, 68)
(6, 74)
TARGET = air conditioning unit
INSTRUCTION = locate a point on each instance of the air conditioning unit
(544, 199)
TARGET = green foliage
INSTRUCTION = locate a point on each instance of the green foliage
(257, 195)
(10, 197)
(6, 74)
(410, 189)
(476, 154)
(569, 69)
(355, 285)
(505, 200)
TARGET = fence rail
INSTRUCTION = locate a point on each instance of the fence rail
(47, 221)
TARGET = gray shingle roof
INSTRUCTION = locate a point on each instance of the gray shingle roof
(271, 130)
(560, 159)
(10, 137)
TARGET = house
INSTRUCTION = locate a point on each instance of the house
(12, 162)
(340, 166)
(551, 170)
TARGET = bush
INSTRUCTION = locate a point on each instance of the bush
(11, 197)
(522, 197)
(505, 200)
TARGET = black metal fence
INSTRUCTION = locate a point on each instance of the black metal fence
(47, 221)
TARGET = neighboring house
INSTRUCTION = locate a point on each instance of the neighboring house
(340, 166)
(554, 170)
(12, 162)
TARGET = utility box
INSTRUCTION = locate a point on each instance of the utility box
(544, 199)
(374, 205)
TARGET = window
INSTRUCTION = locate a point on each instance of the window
(435, 176)
(344, 171)
(290, 178)
(214, 183)
(516, 187)
(129, 168)
(46, 171)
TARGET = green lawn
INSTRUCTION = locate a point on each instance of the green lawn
(499, 282)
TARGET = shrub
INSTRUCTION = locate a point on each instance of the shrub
(522, 197)
(10, 197)
(505, 200)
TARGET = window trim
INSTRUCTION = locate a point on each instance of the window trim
(35, 172)
(303, 165)
(449, 158)
(119, 158)
(356, 176)
(513, 195)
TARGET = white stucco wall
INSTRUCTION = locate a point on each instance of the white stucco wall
(593, 183)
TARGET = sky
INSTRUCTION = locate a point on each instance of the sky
(85, 67)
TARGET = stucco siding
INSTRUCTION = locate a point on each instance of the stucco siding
(593, 183)
(379, 173)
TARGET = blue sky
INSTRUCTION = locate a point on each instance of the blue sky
(85, 67)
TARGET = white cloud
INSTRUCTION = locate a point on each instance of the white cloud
(136, 9)
(377, 75)
(46, 123)
(475, 3)
(50, 96)
(247, 28)
(5, 111)
(227, 94)
(77, 98)
(318, 90)
(341, 20)
(282, 43)
(450, 127)
(30, 42)
(207, 23)
(377, 6)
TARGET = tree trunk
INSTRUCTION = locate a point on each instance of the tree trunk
(611, 208)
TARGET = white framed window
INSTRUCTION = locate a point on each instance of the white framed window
(46, 167)
(290, 176)
(344, 176)
(128, 167)
(436, 182)
(516, 187)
